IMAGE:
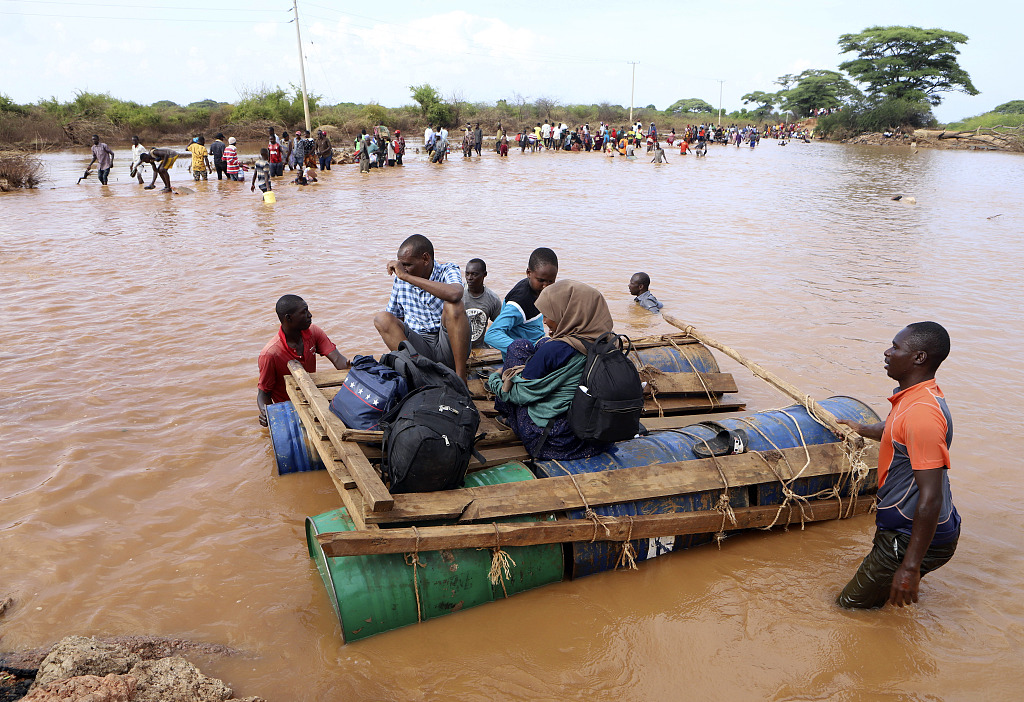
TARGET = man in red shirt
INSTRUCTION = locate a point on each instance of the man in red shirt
(296, 340)
(917, 526)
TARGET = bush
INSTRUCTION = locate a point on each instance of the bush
(877, 117)
(19, 171)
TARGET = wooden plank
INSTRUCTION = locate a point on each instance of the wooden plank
(375, 495)
(489, 357)
(615, 486)
(329, 378)
(670, 405)
(319, 438)
(665, 383)
(436, 538)
(494, 455)
(690, 383)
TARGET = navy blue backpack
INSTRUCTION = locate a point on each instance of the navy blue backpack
(370, 390)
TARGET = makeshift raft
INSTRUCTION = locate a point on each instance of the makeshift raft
(392, 560)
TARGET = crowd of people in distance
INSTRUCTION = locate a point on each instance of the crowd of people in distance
(303, 155)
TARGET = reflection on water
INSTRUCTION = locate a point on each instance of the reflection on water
(137, 494)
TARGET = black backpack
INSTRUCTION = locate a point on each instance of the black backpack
(429, 436)
(610, 398)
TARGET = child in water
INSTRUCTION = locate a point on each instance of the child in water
(639, 286)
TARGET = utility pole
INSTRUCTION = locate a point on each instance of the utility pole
(302, 65)
(632, 91)
(721, 83)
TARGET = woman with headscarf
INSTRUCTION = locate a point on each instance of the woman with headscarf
(537, 383)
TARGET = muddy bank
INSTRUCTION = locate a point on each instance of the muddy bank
(119, 669)
(980, 140)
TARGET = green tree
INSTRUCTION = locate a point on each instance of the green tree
(426, 95)
(907, 62)
(688, 105)
(815, 89)
(10, 107)
(1013, 107)
(765, 102)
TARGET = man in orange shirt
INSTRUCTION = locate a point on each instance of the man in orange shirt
(917, 526)
(298, 339)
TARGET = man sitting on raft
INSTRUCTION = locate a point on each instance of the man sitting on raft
(519, 317)
(537, 383)
(426, 306)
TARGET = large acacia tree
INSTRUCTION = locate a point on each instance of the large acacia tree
(815, 89)
(907, 62)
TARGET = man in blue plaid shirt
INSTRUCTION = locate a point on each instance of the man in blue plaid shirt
(426, 307)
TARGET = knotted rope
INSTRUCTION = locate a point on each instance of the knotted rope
(413, 559)
(627, 558)
(588, 512)
(500, 564)
(711, 398)
(724, 504)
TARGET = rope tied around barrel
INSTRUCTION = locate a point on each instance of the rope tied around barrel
(413, 559)
(724, 504)
(588, 512)
(500, 564)
(711, 398)
(627, 558)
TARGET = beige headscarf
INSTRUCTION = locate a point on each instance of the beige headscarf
(577, 310)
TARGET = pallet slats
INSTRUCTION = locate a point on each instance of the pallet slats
(613, 486)
(375, 495)
(436, 538)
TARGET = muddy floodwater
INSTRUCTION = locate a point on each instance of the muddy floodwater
(137, 490)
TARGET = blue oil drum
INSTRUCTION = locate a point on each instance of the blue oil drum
(293, 452)
(779, 427)
(688, 358)
(375, 593)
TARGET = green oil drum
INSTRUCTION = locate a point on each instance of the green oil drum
(376, 593)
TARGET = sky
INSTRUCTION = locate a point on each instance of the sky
(187, 50)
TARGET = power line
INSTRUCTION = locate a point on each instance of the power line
(142, 7)
(204, 20)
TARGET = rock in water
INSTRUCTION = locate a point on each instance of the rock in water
(110, 688)
(176, 680)
(78, 655)
(182, 190)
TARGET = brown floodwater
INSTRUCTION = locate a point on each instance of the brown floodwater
(137, 491)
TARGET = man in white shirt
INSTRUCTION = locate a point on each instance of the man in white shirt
(545, 133)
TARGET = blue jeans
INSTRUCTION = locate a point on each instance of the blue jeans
(325, 163)
(103, 174)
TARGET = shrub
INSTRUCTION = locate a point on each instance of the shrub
(876, 117)
(19, 171)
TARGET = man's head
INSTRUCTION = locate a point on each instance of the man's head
(201, 140)
(265, 153)
(542, 269)
(95, 139)
(293, 313)
(639, 283)
(273, 139)
(135, 141)
(916, 353)
(220, 135)
(416, 256)
(476, 271)
(270, 131)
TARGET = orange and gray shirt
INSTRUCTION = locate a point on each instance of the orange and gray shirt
(918, 434)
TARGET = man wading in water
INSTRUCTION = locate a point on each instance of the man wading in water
(917, 526)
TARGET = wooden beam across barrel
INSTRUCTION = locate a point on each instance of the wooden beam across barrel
(617, 486)
(436, 538)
